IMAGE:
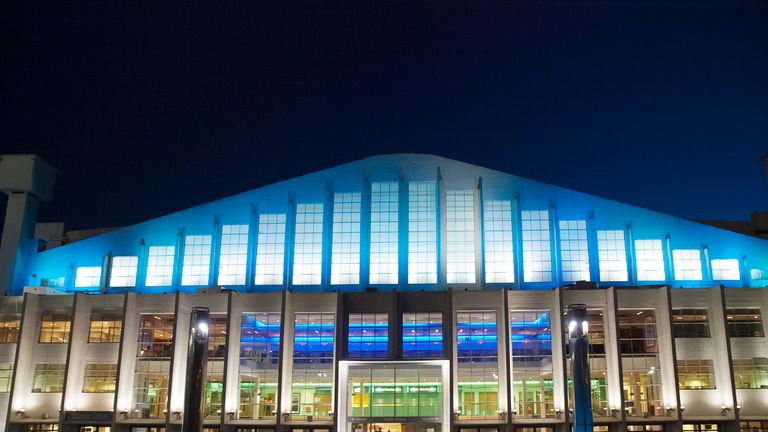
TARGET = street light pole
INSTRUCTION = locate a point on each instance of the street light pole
(197, 359)
(578, 344)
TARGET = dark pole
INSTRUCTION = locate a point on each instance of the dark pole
(578, 343)
(197, 359)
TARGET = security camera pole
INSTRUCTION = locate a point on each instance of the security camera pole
(197, 359)
(578, 344)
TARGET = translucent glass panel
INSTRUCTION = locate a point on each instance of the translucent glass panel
(105, 328)
(750, 373)
(639, 348)
(598, 368)
(233, 258)
(690, 323)
(385, 206)
(213, 390)
(687, 264)
(499, 255)
(744, 322)
(9, 328)
(460, 245)
(612, 255)
(574, 250)
(160, 266)
(422, 233)
(368, 334)
(270, 250)
(197, 260)
(649, 257)
(217, 336)
(88, 277)
(312, 378)
(155, 335)
(394, 390)
(54, 328)
(478, 367)
(150, 388)
(308, 245)
(695, 374)
(532, 380)
(99, 378)
(345, 247)
(48, 378)
(537, 255)
(6, 376)
(423, 335)
(725, 269)
(123, 272)
(259, 362)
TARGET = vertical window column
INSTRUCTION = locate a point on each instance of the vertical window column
(259, 363)
(270, 250)
(477, 364)
(687, 264)
(574, 250)
(537, 248)
(197, 260)
(460, 259)
(422, 233)
(384, 265)
(499, 247)
(160, 266)
(233, 258)
(308, 245)
(649, 256)
(612, 253)
(345, 246)
(312, 378)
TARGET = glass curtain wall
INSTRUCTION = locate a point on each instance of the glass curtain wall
(532, 383)
(598, 368)
(153, 361)
(639, 347)
(394, 390)
(259, 362)
(312, 379)
(478, 366)
(214, 381)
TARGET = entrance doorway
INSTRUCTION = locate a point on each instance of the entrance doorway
(395, 427)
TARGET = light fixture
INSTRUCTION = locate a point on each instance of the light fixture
(724, 410)
(682, 408)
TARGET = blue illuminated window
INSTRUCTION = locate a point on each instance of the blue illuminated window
(160, 266)
(384, 232)
(368, 335)
(270, 250)
(312, 375)
(726, 269)
(123, 272)
(234, 254)
(537, 257)
(612, 255)
(477, 367)
(460, 244)
(499, 255)
(649, 257)
(197, 260)
(345, 254)
(687, 264)
(423, 335)
(308, 245)
(259, 363)
(574, 250)
(532, 374)
(422, 233)
(88, 277)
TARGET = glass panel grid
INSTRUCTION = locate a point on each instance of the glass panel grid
(612, 254)
(270, 250)
(574, 250)
(308, 245)
(312, 378)
(259, 361)
(54, 328)
(48, 378)
(6, 374)
(197, 260)
(422, 233)
(532, 379)
(750, 373)
(9, 328)
(345, 249)
(123, 272)
(687, 264)
(384, 266)
(150, 388)
(105, 328)
(88, 277)
(690, 323)
(423, 335)
(460, 217)
(160, 266)
(641, 381)
(233, 258)
(477, 364)
(695, 374)
(537, 258)
(649, 256)
(598, 368)
(746, 322)
(368, 335)
(100, 378)
(499, 249)
(725, 270)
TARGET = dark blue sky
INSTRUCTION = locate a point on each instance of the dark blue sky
(148, 108)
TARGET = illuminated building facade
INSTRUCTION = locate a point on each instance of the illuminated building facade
(400, 293)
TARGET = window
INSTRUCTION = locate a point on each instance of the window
(214, 380)
(753, 426)
(700, 427)
(537, 258)
(639, 348)
(105, 328)
(690, 323)
(312, 379)
(197, 260)
(499, 255)
(100, 378)
(574, 250)
(746, 322)
(598, 368)
(384, 266)
(6, 375)
(123, 272)
(478, 367)
(422, 233)
(48, 378)
(155, 335)
(725, 270)
(153, 352)
(54, 328)
(695, 374)
(612, 255)
(233, 258)
(407, 391)
(43, 427)
(532, 382)
(751, 373)
(87, 277)
(270, 250)
(9, 328)
(308, 245)
(368, 335)
(345, 253)
(650, 261)
(160, 266)
(687, 264)
(460, 258)
(423, 335)
(259, 361)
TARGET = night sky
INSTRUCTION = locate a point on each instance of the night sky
(149, 108)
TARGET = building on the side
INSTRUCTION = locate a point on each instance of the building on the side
(399, 293)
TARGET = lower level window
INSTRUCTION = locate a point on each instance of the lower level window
(43, 427)
(100, 378)
(48, 378)
(699, 427)
(6, 373)
(753, 426)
